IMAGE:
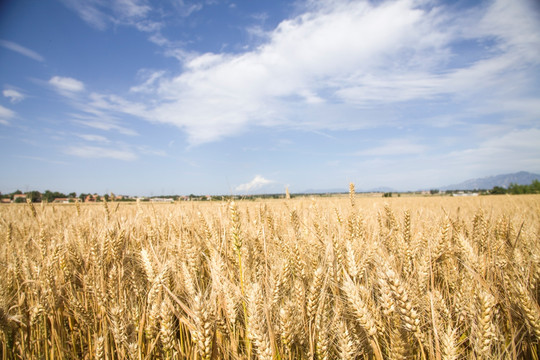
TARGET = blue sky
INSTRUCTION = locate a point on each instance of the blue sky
(216, 97)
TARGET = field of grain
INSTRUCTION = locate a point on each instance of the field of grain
(324, 278)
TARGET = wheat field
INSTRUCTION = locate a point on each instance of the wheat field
(327, 278)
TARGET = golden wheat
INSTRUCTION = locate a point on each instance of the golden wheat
(352, 277)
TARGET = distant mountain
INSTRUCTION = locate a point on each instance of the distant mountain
(346, 190)
(381, 189)
(520, 178)
(324, 191)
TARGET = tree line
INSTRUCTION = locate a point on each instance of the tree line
(49, 196)
(516, 189)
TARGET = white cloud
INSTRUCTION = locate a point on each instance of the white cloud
(514, 22)
(101, 152)
(5, 115)
(255, 184)
(343, 65)
(66, 85)
(337, 65)
(13, 95)
(21, 50)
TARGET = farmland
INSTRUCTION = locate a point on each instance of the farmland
(339, 277)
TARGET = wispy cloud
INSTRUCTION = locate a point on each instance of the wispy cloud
(131, 8)
(257, 183)
(101, 15)
(101, 121)
(146, 150)
(22, 50)
(101, 152)
(66, 85)
(42, 159)
(515, 150)
(102, 147)
(13, 95)
(150, 81)
(89, 12)
(5, 115)
(186, 8)
(500, 151)
(93, 137)
(394, 147)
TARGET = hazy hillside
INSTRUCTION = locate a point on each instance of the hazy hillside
(504, 180)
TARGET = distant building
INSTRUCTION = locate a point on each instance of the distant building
(5, 200)
(61, 201)
(90, 198)
(165, 200)
(461, 193)
(19, 196)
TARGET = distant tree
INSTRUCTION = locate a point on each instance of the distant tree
(72, 195)
(49, 196)
(535, 187)
(517, 189)
(532, 188)
(34, 196)
(106, 197)
(434, 191)
(387, 194)
(497, 190)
